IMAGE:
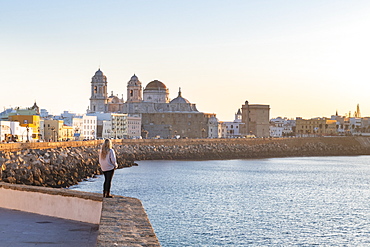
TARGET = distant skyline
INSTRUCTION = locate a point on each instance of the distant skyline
(303, 58)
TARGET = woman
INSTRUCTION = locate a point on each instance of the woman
(108, 164)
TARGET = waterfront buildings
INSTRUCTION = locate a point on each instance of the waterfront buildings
(315, 127)
(282, 127)
(111, 125)
(160, 116)
(56, 130)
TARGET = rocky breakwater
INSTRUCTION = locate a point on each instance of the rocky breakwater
(60, 167)
(225, 150)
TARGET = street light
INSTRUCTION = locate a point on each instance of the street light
(28, 131)
(53, 133)
(77, 136)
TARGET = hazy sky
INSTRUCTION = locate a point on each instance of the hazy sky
(303, 58)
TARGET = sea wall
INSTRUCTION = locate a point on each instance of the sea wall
(208, 149)
(60, 165)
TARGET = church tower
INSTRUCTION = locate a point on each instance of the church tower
(134, 90)
(99, 98)
(238, 117)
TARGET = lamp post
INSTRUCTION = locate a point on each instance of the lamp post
(77, 136)
(53, 133)
(28, 131)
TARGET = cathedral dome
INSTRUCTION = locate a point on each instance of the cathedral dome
(99, 77)
(179, 99)
(99, 73)
(155, 85)
(114, 99)
(134, 81)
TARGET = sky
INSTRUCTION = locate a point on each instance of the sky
(303, 58)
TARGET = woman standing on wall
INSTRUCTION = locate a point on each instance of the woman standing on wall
(108, 164)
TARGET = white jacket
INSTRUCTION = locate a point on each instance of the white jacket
(110, 162)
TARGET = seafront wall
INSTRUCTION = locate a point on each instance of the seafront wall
(63, 164)
(209, 149)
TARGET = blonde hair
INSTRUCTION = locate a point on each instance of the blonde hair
(107, 145)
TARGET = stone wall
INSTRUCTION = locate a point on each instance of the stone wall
(208, 149)
(63, 165)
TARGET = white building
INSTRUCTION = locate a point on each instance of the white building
(233, 128)
(106, 129)
(134, 127)
(355, 124)
(276, 131)
(89, 128)
(11, 131)
(280, 127)
(222, 130)
(213, 130)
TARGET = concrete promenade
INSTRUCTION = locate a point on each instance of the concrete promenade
(22, 229)
(39, 216)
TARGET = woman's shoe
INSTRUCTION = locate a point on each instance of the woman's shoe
(109, 196)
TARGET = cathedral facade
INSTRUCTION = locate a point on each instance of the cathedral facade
(161, 116)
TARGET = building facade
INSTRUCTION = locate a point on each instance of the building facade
(111, 125)
(134, 127)
(234, 128)
(256, 119)
(11, 131)
(315, 127)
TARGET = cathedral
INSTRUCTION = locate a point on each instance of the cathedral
(161, 116)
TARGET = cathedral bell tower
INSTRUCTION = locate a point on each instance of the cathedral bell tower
(98, 99)
(134, 90)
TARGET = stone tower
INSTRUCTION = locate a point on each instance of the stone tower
(134, 90)
(99, 97)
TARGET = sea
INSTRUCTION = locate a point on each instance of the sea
(300, 201)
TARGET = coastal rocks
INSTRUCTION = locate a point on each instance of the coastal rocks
(61, 167)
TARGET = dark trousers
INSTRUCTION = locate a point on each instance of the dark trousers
(108, 180)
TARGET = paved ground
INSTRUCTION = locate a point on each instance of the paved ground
(21, 229)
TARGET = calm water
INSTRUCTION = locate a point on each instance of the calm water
(307, 201)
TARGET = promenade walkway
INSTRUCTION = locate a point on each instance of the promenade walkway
(22, 229)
